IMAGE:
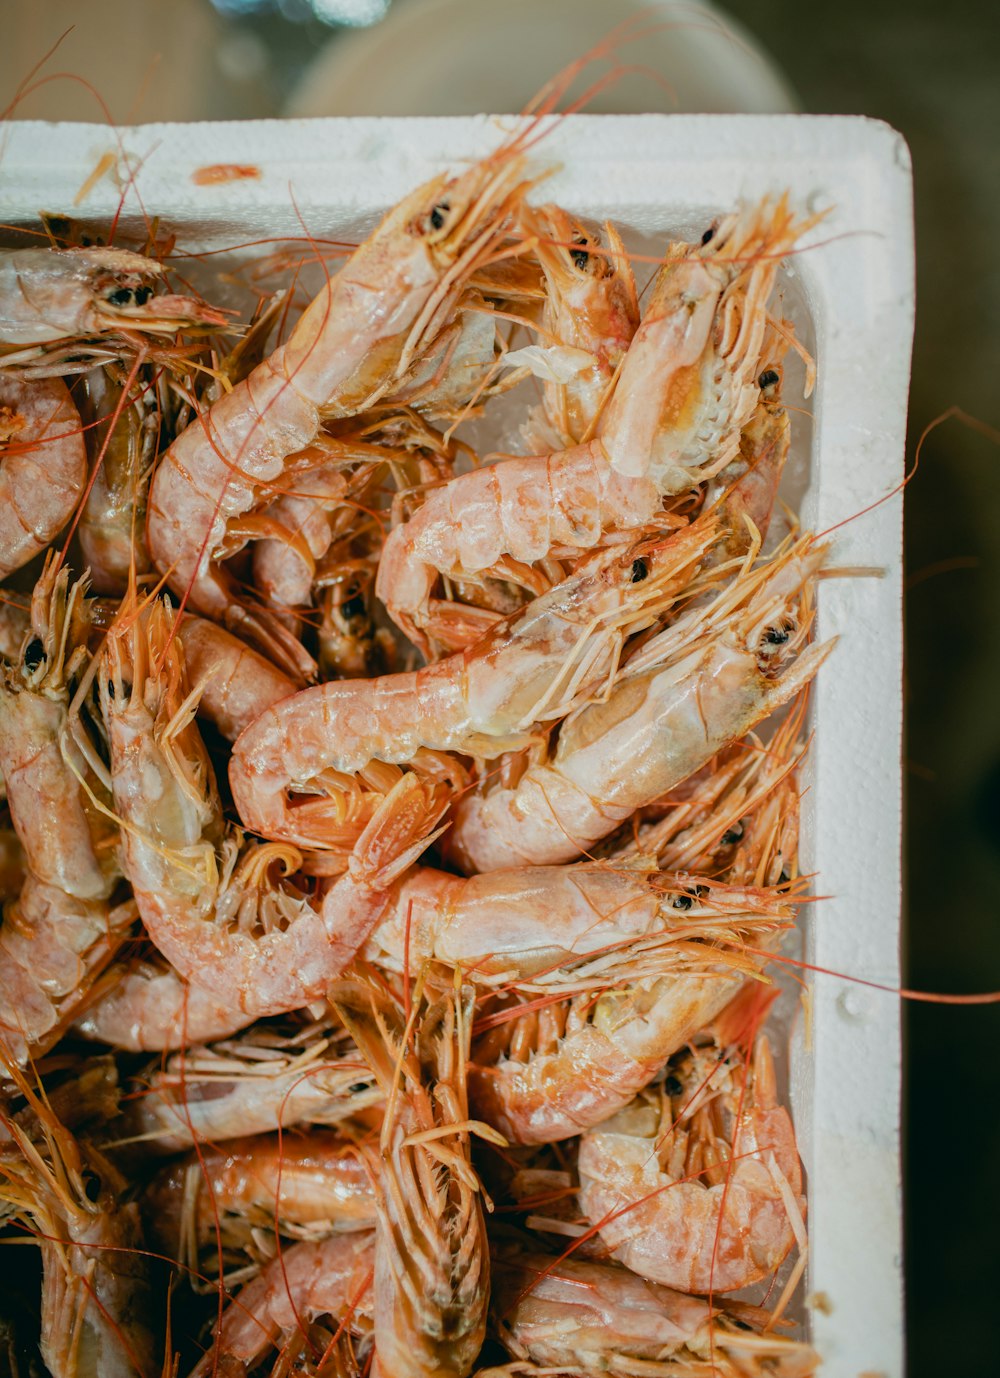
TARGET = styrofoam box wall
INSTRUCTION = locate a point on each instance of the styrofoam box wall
(855, 276)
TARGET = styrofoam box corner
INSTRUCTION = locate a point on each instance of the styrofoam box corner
(855, 272)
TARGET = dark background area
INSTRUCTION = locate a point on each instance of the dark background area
(933, 71)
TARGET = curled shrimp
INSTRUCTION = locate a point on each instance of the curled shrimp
(697, 1184)
(724, 666)
(351, 346)
(217, 907)
(62, 310)
(686, 388)
(529, 667)
(431, 1257)
(583, 1319)
(43, 466)
(328, 1277)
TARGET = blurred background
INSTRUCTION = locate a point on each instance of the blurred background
(932, 71)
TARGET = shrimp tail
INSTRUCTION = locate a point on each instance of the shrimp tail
(402, 827)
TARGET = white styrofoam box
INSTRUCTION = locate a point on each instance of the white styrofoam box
(855, 278)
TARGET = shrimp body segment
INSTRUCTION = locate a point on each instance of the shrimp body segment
(703, 1191)
(43, 466)
(358, 336)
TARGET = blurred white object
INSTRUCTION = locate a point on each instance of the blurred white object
(457, 57)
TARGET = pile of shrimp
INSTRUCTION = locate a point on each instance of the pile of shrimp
(397, 838)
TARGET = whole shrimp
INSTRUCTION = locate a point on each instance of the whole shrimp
(96, 1296)
(328, 1277)
(697, 1183)
(359, 336)
(268, 1078)
(431, 1256)
(63, 310)
(213, 905)
(587, 1319)
(233, 1198)
(43, 466)
(590, 315)
(685, 390)
(529, 667)
(724, 666)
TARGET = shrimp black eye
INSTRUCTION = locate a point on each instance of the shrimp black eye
(580, 256)
(784, 878)
(639, 571)
(91, 1185)
(142, 295)
(709, 235)
(776, 636)
(438, 214)
(768, 378)
(356, 1087)
(733, 835)
(121, 296)
(683, 902)
(354, 607)
(673, 1085)
(34, 654)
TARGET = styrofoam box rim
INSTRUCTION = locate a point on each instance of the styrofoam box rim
(857, 276)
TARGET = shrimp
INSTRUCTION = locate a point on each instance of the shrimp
(52, 948)
(723, 667)
(351, 346)
(328, 1277)
(530, 666)
(431, 1258)
(68, 843)
(304, 1185)
(697, 1184)
(43, 466)
(591, 314)
(63, 310)
(214, 907)
(264, 1080)
(587, 1319)
(551, 926)
(234, 683)
(95, 1290)
(112, 523)
(686, 388)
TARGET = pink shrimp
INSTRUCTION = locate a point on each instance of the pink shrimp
(528, 668)
(329, 1277)
(587, 1319)
(351, 346)
(217, 909)
(686, 388)
(723, 667)
(698, 1185)
(63, 310)
(43, 466)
